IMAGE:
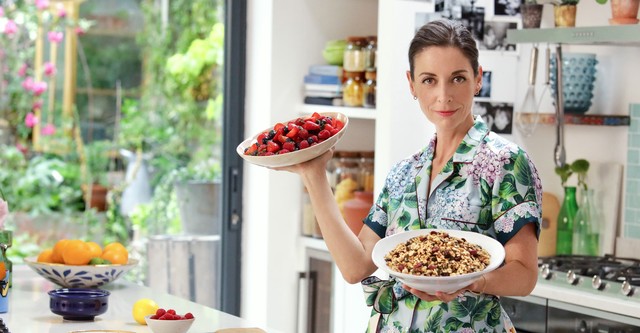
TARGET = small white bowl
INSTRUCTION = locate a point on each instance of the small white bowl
(169, 326)
(432, 284)
(294, 157)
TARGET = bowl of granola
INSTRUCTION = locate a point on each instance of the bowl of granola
(434, 260)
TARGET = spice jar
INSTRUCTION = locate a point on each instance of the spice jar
(366, 170)
(370, 53)
(354, 56)
(353, 89)
(369, 90)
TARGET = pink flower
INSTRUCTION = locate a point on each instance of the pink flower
(10, 28)
(22, 71)
(62, 13)
(1, 12)
(49, 69)
(30, 120)
(42, 4)
(4, 211)
(55, 36)
(27, 84)
(37, 105)
(79, 31)
(48, 129)
(39, 88)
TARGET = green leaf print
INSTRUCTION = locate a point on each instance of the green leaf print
(411, 188)
(385, 302)
(433, 323)
(508, 187)
(531, 194)
(424, 305)
(464, 148)
(453, 324)
(493, 319)
(485, 192)
(522, 170)
(462, 307)
(481, 311)
(393, 205)
(448, 168)
(459, 182)
(485, 218)
(404, 220)
(411, 200)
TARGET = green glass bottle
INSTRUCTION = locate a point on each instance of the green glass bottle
(566, 217)
(586, 225)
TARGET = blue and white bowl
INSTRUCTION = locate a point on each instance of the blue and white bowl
(84, 276)
(578, 78)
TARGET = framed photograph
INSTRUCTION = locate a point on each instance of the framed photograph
(495, 36)
(497, 116)
(473, 19)
(506, 7)
(485, 91)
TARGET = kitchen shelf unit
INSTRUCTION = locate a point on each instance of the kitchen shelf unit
(350, 112)
(615, 35)
(578, 119)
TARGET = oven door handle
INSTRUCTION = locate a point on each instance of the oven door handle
(307, 294)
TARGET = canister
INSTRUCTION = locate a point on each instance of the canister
(205, 251)
(180, 268)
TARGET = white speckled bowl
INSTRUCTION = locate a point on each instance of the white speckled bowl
(431, 284)
(169, 326)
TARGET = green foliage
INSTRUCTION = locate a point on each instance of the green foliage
(580, 167)
(97, 158)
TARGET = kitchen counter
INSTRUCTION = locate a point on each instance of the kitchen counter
(29, 308)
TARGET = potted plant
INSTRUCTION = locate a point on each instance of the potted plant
(564, 13)
(623, 11)
(531, 12)
(96, 185)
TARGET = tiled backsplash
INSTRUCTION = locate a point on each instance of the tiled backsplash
(632, 193)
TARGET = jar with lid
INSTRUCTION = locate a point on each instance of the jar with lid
(353, 89)
(354, 56)
(370, 53)
(347, 177)
(366, 170)
(369, 90)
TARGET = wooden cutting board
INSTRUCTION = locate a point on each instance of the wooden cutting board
(548, 231)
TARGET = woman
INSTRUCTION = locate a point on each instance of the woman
(466, 178)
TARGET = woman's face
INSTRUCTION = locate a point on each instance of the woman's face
(444, 85)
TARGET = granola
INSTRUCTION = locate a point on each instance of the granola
(437, 254)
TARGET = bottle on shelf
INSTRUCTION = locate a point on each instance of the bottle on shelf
(366, 170)
(354, 54)
(370, 53)
(353, 89)
(566, 218)
(369, 90)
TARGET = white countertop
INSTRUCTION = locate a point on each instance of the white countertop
(29, 308)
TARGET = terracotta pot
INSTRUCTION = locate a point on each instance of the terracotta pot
(356, 209)
(531, 15)
(565, 15)
(98, 196)
(624, 12)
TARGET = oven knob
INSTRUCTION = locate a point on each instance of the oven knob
(572, 277)
(597, 283)
(627, 289)
(545, 271)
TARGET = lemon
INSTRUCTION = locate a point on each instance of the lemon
(142, 308)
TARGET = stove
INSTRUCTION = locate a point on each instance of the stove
(599, 294)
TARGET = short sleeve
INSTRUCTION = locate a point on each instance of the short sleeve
(377, 219)
(516, 197)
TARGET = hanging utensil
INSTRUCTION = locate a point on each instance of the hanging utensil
(547, 78)
(559, 153)
(529, 104)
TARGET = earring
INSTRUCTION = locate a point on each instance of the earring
(415, 98)
(477, 92)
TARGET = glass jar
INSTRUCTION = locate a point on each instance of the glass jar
(370, 53)
(308, 215)
(369, 90)
(366, 170)
(353, 89)
(347, 177)
(586, 225)
(354, 55)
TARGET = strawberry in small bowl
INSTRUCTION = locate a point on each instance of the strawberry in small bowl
(294, 141)
(168, 321)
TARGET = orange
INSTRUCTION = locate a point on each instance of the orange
(116, 256)
(76, 252)
(95, 249)
(3, 270)
(114, 246)
(45, 256)
(58, 247)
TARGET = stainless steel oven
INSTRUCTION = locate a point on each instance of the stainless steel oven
(580, 294)
(315, 293)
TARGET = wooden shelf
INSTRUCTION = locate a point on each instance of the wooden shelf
(620, 35)
(579, 119)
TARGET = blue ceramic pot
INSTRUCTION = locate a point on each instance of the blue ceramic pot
(78, 303)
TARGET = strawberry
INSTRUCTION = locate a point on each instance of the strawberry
(303, 133)
(188, 315)
(311, 126)
(160, 312)
(303, 144)
(272, 147)
(289, 145)
(324, 134)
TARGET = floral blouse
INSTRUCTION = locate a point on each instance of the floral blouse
(489, 186)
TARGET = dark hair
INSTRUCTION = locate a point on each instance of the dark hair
(444, 33)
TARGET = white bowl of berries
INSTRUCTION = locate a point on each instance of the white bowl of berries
(294, 141)
(169, 322)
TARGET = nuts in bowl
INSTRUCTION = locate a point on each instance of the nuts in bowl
(434, 260)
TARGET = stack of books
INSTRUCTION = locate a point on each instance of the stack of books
(323, 85)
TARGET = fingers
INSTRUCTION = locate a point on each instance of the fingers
(439, 295)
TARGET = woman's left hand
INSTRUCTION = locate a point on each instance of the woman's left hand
(439, 296)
